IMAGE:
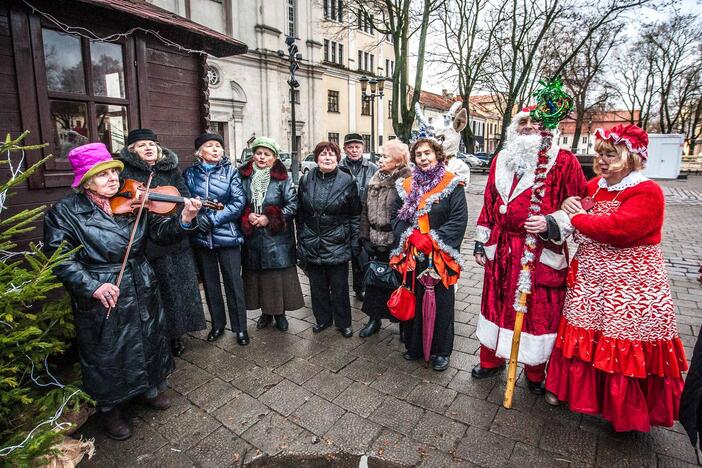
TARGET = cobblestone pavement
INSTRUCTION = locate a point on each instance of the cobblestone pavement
(321, 395)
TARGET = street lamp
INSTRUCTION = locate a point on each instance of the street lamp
(377, 85)
(294, 57)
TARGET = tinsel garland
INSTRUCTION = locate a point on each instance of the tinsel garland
(530, 243)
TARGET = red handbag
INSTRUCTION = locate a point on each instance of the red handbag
(402, 301)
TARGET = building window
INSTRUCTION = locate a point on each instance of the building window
(333, 52)
(295, 95)
(564, 140)
(360, 60)
(334, 10)
(584, 139)
(390, 109)
(366, 141)
(365, 107)
(333, 137)
(389, 68)
(326, 50)
(365, 21)
(291, 18)
(333, 101)
(86, 90)
(372, 69)
(341, 54)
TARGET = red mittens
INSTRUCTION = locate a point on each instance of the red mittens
(421, 242)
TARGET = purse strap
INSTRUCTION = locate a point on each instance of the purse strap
(404, 280)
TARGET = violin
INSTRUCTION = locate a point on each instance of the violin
(161, 200)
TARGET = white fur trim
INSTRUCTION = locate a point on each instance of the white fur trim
(631, 180)
(453, 253)
(616, 139)
(482, 233)
(564, 226)
(490, 251)
(553, 259)
(533, 349)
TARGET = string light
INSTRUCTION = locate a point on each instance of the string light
(85, 32)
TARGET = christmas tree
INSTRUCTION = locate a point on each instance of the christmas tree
(34, 329)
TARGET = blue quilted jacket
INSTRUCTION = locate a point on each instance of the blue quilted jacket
(221, 183)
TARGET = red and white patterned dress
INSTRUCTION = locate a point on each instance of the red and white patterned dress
(618, 352)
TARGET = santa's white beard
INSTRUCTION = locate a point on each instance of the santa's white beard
(521, 153)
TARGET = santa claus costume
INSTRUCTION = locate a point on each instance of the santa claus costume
(618, 352)
(501, 236)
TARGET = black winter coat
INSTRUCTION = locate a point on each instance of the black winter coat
(327, 228)
(691, 400)
(448, 218)
(363, 174)
(224, 184)
(166, 172)
(126, 355)
(274, 245)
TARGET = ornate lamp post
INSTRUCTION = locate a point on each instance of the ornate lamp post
(294, 57)
(377, 85)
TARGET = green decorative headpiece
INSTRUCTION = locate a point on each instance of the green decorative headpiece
(552, 103)
(266, 142)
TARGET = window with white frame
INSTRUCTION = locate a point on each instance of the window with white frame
(333, 52)
(292, 31)
(365, 21)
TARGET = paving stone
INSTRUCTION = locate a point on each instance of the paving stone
(466, 345)
(272, 434)
(559, 414)
(256, 381)
(668, 462)
(353, 434)
(213, 394)
(298, 370)
(472, 411)
(438, 431)
(569, 441)
(632, 449)
(395, 384)
(485, 448)
(285, 397)
(464, 383)
(307, 445)
(191, 427)
(327, 384)
(187, 378)
(397, 363)
(317, 415)
(334, 359)
(305, 348)
(527, 455)
(165, 457)
(364, 371)
(432, 397)
(673, 444)
(222, 448)
(522, 399)
(393, 447)
(227, 366)
(518, 426)
(241, 413)
(154, 417)
(427, 374)
(360, 399)
(438, 459)
(397, 415)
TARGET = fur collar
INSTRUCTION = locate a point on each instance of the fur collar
(167, 163)
(278, 171)
(401, 173)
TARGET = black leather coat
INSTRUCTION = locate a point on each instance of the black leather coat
(327, 227)
(127, 354)
(363, 172)
(274, 245)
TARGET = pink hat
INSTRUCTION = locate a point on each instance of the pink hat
(88, 160)
(634, 137)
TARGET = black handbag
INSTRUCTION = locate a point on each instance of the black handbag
(379, 274)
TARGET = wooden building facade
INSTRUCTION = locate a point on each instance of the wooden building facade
(73, 72)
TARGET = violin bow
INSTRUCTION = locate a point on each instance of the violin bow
(131, 236)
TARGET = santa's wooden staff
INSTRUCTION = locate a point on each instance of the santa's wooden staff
(553, 105)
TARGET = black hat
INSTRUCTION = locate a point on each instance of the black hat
(205, 137)
(141, 134)
(353, 138)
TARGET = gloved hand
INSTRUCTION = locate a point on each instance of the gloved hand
(204, 224)
(421, 242)
(368, 247)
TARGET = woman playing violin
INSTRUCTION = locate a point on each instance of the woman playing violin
(127, 354)
(174, 265)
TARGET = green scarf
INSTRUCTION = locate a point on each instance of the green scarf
(259, 185)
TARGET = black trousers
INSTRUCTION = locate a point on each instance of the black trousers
(442, 343)
(329, 286)
(357, 272)
(228, 259)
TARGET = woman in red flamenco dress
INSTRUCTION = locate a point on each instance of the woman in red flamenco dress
(618, 352)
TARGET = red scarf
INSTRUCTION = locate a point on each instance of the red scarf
(102, 202)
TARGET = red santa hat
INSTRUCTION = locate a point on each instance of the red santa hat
(634, 137)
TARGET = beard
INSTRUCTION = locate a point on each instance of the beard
(521, 153)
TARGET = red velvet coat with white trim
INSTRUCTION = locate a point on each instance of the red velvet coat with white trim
(637, 221)
(272, 246)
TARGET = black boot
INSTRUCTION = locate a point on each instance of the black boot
(264, 320)
(281, 322)
(483, 373)
(215, 334)
(242, 338)
(371, 328)
(177, 347)
(115, 425)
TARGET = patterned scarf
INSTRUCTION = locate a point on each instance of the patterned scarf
(259, 185)
(422, 182)
(102, 202)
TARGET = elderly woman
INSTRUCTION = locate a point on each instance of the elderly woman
(429, 219)
(270, 275)
(127, 354)
(218, 240)
(327, 222)
(376, 234)
(174, 265)
(618, 352)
